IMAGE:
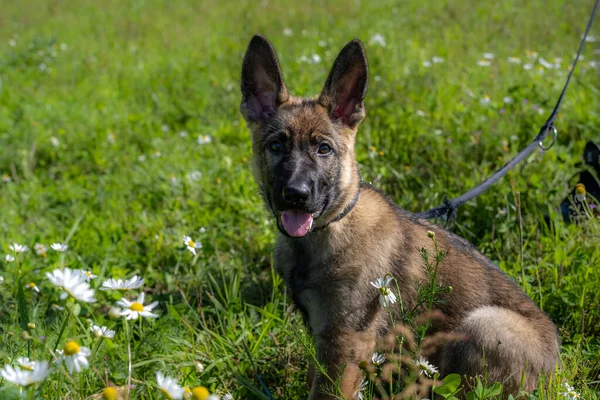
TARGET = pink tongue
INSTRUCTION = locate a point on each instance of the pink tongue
(296, 223)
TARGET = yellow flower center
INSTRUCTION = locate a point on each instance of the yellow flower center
(88, 273)
(580, 188)
(187, 390)
(31, 285)
(71, 348)
(200, 393)
(191, 243)
(26, 367)
(110, 393)
(136, 307)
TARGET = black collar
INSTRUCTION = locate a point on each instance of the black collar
(345, 211)
(341, 215)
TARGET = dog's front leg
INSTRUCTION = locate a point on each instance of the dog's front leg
(339, 353)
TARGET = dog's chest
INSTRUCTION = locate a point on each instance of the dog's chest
(316, 282)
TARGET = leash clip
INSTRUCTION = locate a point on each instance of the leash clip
(554, 136)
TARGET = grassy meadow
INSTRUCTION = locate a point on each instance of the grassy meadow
(120, 134)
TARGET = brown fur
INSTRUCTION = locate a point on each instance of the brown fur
(329, 271)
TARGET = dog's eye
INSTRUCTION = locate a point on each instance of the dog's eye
(275, 146)
(324, 148)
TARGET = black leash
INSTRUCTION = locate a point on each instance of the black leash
(449, 207)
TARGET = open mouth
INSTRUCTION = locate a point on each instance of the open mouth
(298, 223)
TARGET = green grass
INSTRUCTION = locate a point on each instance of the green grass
(115, 83)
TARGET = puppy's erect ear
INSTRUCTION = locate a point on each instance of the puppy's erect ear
(346, 86)
(263, 88)
(591, 154)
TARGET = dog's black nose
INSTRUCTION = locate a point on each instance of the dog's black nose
(296, 194)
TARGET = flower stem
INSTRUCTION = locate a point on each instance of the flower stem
(97, 346)
(62, 330)
(128, 359)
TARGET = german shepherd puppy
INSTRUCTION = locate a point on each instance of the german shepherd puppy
(337, 234)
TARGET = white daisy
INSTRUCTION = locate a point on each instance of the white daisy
(191, 245)
(114, 313)
(61, 248)
(420, 113)
(25, 363)
(363, 387)
(377, 39)
(40, 371)
(227, 396)
(89, 275)
(485, 99)
(570, 392)
(15, 375)
(35, 372)
(426, 368)
(507, 100)
(199, 367)
(427, 64)
(488, 56)
(32, 286)
(288, 32)
(54, 141)
(194, 176)
(199, 392)
(378, 359)
(514, 60)
(1, 279)
(527, 66)
(483, 63)
(102, 332)
(75, 356)
(74, 283)
(9, 258)
(118, 284)
(437, 60)
(56, 307)
(204, 139)
(18, 248)
(545, 64)
(169, 386)
(386, 297)
(40, 250)
(580, 192)
(134, 309)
